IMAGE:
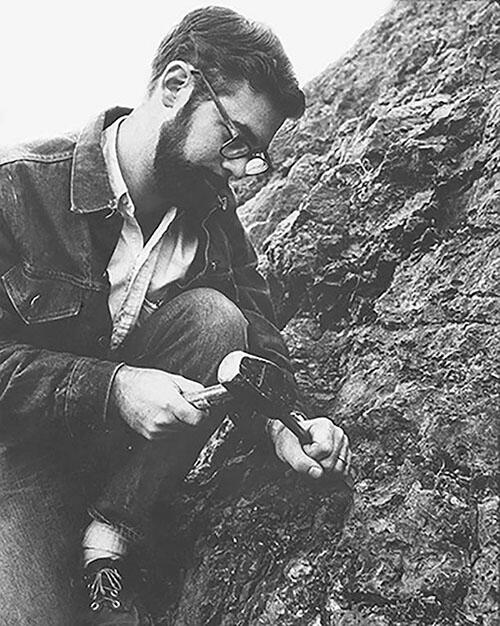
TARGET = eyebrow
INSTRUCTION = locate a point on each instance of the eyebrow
(247, 131)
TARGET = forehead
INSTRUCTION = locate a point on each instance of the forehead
(255, 111)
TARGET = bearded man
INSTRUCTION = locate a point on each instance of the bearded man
(127, 277)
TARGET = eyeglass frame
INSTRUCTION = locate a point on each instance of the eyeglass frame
(235, 133)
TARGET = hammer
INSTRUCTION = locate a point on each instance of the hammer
(259, 383)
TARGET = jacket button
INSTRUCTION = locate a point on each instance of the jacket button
(214, 265)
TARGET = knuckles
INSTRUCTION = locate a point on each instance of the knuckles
(191, 418)
(323, 448)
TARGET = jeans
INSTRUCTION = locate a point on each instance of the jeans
(189, 335)
(40, 499)
(39, 537)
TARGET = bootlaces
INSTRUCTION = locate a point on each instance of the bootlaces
(105, 587)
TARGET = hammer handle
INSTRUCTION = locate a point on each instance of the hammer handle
(294, 422)
(216, 395)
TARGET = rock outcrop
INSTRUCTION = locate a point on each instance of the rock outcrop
(380, 234)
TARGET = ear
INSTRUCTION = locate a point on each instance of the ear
(177, 84)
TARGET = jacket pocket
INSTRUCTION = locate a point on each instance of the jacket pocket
(39, 299)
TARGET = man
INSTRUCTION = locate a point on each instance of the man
(127, 277)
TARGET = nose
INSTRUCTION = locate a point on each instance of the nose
(235, 167)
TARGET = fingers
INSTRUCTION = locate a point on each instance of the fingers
(289, 450)
(323, 434)
(329, 443)
(175, 416)
(329, 449)
(174, 412)
(185, 385)
(185, 412)
(340, 458)
(343, 462)
(178, 405)
(189, 388)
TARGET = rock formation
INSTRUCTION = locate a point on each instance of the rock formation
(380, 233)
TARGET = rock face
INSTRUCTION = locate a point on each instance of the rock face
(380, 234)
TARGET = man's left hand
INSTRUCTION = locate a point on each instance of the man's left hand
(328, 452)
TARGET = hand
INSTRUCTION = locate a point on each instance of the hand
(151, 401)
(328, 452)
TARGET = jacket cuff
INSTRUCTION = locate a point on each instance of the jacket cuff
(88, 394)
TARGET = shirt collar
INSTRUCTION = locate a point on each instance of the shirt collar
(110, 154)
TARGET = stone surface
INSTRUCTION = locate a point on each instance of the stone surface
(380, 233)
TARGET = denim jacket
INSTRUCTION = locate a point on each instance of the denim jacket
(58, 229)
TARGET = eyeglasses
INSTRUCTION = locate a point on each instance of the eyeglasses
(237, 147)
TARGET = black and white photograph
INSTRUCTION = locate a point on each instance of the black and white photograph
(250, 313)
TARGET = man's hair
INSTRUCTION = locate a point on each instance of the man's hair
(229, 48)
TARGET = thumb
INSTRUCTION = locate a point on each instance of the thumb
(316, 471)
(290, 451)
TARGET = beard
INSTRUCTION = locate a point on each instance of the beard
(191, 188)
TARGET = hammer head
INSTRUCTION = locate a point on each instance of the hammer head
(269, 388)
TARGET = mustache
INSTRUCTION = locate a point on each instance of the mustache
(193, 188)
(213, 180)
(179, 176)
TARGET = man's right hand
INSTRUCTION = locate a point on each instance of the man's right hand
(151, 401)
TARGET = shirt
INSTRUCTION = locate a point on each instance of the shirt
(138, 269)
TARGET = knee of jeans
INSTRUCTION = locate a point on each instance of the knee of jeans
(217, 315)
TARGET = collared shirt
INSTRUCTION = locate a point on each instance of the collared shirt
(138, 269)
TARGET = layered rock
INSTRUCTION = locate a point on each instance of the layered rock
(380, 234)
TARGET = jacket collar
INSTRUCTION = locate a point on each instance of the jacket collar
(90, 187)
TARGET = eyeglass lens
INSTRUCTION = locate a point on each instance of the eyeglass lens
(256, 165)
(235, 148)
